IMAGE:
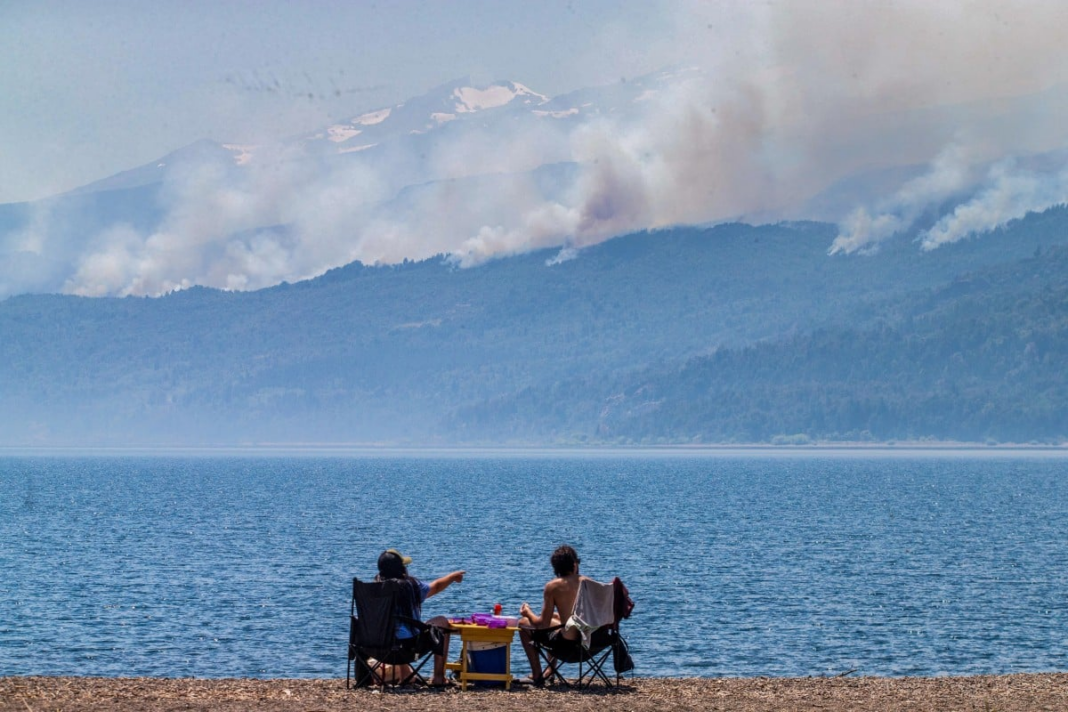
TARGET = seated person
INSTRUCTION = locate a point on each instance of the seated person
(558, 603)
(394, 565)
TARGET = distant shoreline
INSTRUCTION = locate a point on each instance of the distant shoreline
(1005, 693)
(822, 449)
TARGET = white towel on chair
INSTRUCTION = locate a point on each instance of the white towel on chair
(593, 609)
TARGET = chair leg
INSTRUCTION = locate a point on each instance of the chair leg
(416, 672)
(366, 674)
(370, 675)
(595, 671)
(551, 670)
(362, 675)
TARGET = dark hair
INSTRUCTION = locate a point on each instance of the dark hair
(564, 560)
(391, 566)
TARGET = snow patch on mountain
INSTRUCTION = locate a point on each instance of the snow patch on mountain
(529, 94)
(470, 99)
(355, 149)
(341, 133)
(373, 117)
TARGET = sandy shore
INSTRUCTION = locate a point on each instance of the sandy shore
(1003, 693)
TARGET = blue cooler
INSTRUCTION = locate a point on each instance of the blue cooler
(487, 658)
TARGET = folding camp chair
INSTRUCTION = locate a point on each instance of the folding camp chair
(377, 608)
(598, 610)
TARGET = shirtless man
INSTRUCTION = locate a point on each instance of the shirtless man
(558, 605)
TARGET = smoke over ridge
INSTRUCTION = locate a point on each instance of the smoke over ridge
(862, 230)
(1007, 194)
(790, 99)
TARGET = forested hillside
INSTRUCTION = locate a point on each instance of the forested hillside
(980, 360)
(732, 333)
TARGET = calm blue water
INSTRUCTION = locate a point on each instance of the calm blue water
(740, 566)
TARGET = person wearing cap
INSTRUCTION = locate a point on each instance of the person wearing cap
(394, 565)
(558, 603)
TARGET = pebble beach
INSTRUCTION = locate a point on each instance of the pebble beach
(1001, 693)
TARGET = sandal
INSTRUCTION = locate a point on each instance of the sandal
(442, 685)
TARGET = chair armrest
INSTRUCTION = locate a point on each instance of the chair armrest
(414, 623)
(542, 635)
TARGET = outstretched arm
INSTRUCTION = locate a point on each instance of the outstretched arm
(444, 582)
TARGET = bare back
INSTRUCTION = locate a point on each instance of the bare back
(560, 596)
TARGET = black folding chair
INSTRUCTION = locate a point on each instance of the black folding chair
(555, 650)
(377, 608)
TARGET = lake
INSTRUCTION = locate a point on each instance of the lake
(740, 563)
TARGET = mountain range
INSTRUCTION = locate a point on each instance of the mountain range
(732, 333)
(367, 284)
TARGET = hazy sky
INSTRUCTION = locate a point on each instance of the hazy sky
(90, 88)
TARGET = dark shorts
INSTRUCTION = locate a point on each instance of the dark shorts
(564, 647)
(553, 640)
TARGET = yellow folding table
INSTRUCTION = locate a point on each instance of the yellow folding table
(471, 633)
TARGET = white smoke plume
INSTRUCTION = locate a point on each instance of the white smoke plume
(794, 97)
(863, 230)
(691, 157)
(234, 229)
(1008, 194)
